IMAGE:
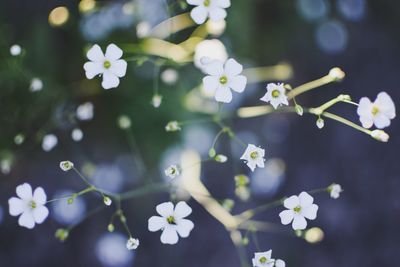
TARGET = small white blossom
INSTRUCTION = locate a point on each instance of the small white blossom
(224, 77)
(320, 123)
(109, 65)
(169, 76)
(335, 190)
(66, 165)
(84, 112)
(172, 171)
(107, 201)
(221, 158)
(214, 9)
(172, 222)
(49, 142)
(379, 112)
(380, 135)
(275, 95)
(172, 126)
(36, 85)
(77, 134)
(124, 122)
(30, 206)
(156, 101)
(298, 209)
(254, 157)
(263, 259)
(15, 50)
(132, 243)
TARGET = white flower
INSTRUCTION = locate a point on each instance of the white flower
(15, 50)
(36, 85)
(109, 65)
(107, 201)
(169, 76)
(215, 9)
(379, 112)
(335, 190)
(172, 126)
(380, 135)
(156, 101)
(224, 77)
(84, 112)
(275, 95)
(254, 157)
(49, 142)
(280, 263)
(77, 134)
(172, 171)
(263, 259)
(299, 208)
(208, 50)
(124, 122)
(30, 206)
(66, 165)
(172, 222)
(320, 123)
(132, 243)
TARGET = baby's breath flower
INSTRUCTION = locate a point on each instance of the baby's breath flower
(77, 134)
(66, 165)
(221, 158)
(62, 234)
(335, 190)
(84, 112)
(31, 206)
(172, 171)
(214, 9)
(172, 126)
(36, 85)
(109, 65)
(124, 122)
(379, 112)
(254, 157)
(241, 180)
(299, 110)
(19, 139)
(298, 208)
(320, 123)
(169, 76)
(49, 142)
(107, 200)
(156, 100)
(15, 50)
(380, 135)
(110, 228)
(132, 243)
(263, 259)
(275, 95)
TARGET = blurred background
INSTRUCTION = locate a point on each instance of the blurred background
(50, 112)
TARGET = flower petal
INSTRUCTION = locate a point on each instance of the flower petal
(24, 191)
(280, 263)
(210, 82)
(26, 220)
(214, 67)
(291, 202)
(119, 67)
(156, 223)
(299, 223)
(40, 214)
(199, 14)
(286, 216)
(113, 52)
(184, 227)
(223, 94)
(364, 106)
(169, 236)
(367, 121)
(95, 53)
(165, 209)
(310, 212)
(195, 2)
(110, 80)
(238, 83)
(381, 121)
(93, 69)
(386, 105)
(16, 206)
(217, 14)
(39, 196)
(223, 3)
(232, 67)
(182, 210)
(305, 199)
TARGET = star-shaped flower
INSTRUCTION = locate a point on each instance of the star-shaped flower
(172, 222)
(379, 112)
(275, 95)
(254, 157)
(222, 78)
(215, 9)
(263, 259)
(109, 65)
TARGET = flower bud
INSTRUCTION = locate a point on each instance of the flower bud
(62, 234)
(156, 100)
(221, 158)
(212, 153)
(380, 135)
(172, 126)
(124, 122)
(320, 123)
(111, 228)
(241, 180)
(299, 110)
(107, 200)
(336, 74)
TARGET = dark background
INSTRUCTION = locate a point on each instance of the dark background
(361, 227)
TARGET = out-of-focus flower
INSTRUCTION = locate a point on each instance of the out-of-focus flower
(109, 65)
(298, 209)
(111, 250)
(172, 126)
(84, 112)
(263, 259)
(208, 50)
(335, 190)
(132, 243)
(275, 95)
(222, 78)
(379, 112)
(156, 100)
(66, 165)
(280, 263)
(30, 206)
(169, 76)
(107, 201)
(254, 157)
(36, 85)
(77, 134)
(15, 50)
(221, 158)
(214, 9)
(172, 171)
(49, 142)
(124, 122)
(172, 222)
(62, 234)
(380, 135)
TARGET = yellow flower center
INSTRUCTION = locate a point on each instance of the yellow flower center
(107, 64)
(297, 209)
(254, 155)
(171, 220)
(374, 110)
(223, 80)
(32, 204)
(263, 259)
(207, 2)
(276, 93)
